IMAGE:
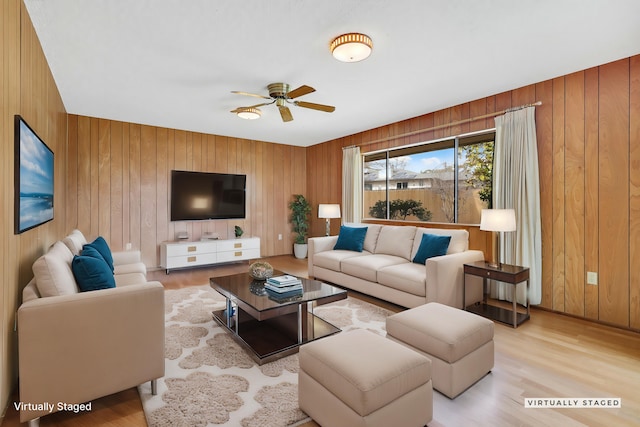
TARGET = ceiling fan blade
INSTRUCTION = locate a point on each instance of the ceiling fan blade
(251, 106)
(302, 90)
(319, 107)
(285, 113)
(237, 92)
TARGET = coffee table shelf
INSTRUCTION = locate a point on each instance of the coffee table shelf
(272, 329)
(276, 337)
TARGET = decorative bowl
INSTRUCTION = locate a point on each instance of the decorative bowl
(260, 270)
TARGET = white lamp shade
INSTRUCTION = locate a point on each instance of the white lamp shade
(328, 211)
(498, 220)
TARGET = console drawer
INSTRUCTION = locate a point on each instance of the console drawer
(238, 255)
(190, 248)
(238, 244)
(191, 260)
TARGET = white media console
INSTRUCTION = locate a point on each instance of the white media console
(180, 254)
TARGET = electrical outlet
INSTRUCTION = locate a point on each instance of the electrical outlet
(592, 278)
(279, 236)
(128, 246)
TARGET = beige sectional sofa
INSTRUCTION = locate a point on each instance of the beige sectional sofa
(74, 346)
(384, 268)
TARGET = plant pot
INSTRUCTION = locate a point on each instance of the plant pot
(300, 250)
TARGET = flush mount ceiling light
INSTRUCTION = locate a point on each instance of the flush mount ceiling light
(351, 47)
(248, 113)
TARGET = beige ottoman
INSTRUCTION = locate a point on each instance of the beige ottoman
(358, 378)
(459, 343)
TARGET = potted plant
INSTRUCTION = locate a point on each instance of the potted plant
(300, 209)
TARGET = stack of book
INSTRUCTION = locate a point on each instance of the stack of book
(281, 287)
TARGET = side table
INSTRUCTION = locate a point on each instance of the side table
(506, 273)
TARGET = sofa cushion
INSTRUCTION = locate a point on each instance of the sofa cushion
(92, 273)
(351, 238)
(52, 272)
(332, 259)
(366, 267)
(371, 239)
(406, 277)
(30, 291)
(459, 239)
(75, 241)
(101, 246)
(431, 245)
(396, 240)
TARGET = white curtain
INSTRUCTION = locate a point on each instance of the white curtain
(516, 185)
(351, 185)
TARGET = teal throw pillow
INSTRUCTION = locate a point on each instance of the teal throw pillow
(92, 273)
(351, 238)
(101, 246)
(430, 246)
(92, 252)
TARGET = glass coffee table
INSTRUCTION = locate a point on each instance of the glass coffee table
(273, 328)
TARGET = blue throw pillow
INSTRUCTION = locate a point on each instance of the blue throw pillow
(351, 238)
(430, 246)
(92, 273)
(91, 251)
(101, 246)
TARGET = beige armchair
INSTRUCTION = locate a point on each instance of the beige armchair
(74, 347)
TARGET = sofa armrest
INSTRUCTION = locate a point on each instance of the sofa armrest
(126, 262)
(75, 348)
(317, 245)
(445, 278)
(126, 257)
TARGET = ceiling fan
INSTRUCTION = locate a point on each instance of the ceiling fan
(280, 95)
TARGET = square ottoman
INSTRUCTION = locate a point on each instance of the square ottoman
(459, 343)
(359, 378)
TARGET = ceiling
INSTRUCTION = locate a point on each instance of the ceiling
(174, 63)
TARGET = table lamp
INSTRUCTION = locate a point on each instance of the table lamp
(328, 211)
(497, 221)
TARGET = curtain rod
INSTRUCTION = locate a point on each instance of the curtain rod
(459, 122)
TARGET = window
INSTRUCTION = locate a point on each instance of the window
(446, 181)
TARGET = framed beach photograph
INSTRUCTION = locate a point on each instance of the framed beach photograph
(33, 178)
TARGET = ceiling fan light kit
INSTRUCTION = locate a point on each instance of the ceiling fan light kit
(280, 95)
(248, 113)
(351, 47)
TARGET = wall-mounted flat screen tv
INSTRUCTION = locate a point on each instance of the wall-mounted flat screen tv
(33, 203)
(206, 195)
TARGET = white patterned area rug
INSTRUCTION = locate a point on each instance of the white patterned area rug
(211, 381)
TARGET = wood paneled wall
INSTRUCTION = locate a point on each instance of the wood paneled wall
(588, 130)
(112, 179)
(26, 88)
(119, 184)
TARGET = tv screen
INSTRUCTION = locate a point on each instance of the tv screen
(33, 201)
(205, 195)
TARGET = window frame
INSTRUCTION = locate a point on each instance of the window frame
(459, 141)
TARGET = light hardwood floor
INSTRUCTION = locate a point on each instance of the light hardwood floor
(550, 356)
